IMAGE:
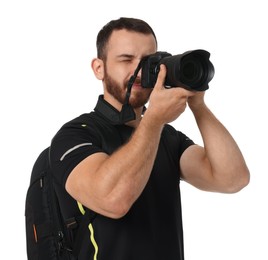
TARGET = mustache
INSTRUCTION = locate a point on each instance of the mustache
(137, 81)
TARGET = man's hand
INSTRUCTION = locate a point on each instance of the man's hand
(196, 100)
(166, 105)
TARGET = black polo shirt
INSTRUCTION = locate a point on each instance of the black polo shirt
(152, 229)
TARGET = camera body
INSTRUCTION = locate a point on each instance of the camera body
(191, 70)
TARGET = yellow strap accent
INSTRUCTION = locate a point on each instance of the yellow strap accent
(93, 241)
(81, 208)
(91, 229)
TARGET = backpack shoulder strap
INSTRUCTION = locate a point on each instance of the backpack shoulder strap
(86, 219)
(62, 242)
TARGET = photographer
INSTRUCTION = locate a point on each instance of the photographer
(126, 162)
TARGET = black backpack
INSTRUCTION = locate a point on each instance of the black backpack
(46, 231)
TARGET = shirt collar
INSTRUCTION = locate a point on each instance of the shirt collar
(112, 115)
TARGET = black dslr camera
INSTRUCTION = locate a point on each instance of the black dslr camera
(191, 70)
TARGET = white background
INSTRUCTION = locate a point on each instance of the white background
(45, 79)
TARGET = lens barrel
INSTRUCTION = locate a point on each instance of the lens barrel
(192, 69)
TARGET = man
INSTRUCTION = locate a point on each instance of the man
(128, 171)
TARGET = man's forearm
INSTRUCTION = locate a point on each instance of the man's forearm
(125, 173)
(226, 160)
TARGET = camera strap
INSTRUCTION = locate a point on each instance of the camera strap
(127, 113)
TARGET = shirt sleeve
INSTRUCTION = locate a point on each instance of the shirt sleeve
(71, 145)
(184, 142)
(177, 141)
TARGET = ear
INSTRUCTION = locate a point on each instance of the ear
(97, 66)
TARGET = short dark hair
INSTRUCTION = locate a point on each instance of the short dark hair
(130, 24)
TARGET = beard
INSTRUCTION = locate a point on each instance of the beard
(137, 98)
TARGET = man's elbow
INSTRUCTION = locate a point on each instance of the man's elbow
(116, 208)
(239, 182)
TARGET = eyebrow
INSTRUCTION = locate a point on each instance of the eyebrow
(129, 56)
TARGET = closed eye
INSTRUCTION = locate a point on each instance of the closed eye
(125, 58)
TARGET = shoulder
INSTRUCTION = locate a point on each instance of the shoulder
(170, 132)
(75, 133)
(175, 139)
(83, 123)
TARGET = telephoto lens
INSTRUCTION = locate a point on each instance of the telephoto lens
(192, 70)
